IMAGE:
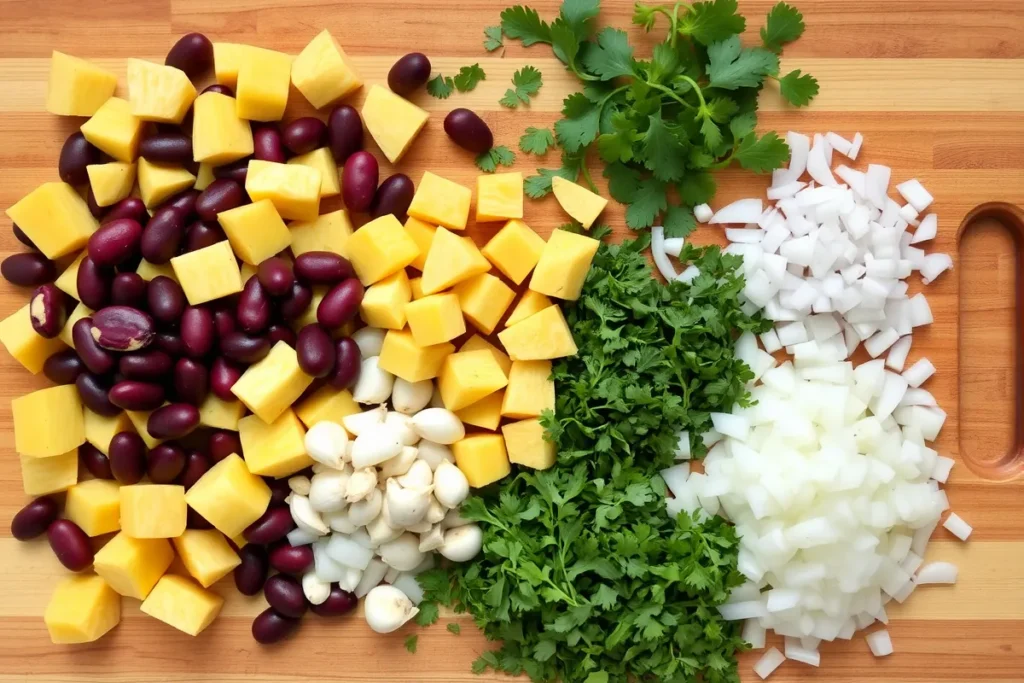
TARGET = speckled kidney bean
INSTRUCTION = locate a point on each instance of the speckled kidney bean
(75, 156)
(296, 302)
(163, 235)
(393, 196)
(92, 389)
(166, 299)
(276, 276)
(223, 443)
(196, 465)
(340, 304)
(173, 421)
(284, 593)
(218, 88)
(254, 307)
(346, 365)
(344, 132)
(115, 242)
(267, 144)
(127, 454)
(303, 135)
(224, 322)
(359, 181)
(223, 375)
(128, 289)
(289, 559)
(123, 328)
(269, 626)
(165, 463)
(46, 309)
(29, 269)
(151, 364)
(20, 235)
(193, 54)
(251, 574)
(70, 544)
(315, 351)
(95, 357)
(32, 520)
(273, 525)
(185, 202)
(129, 207)
(93, 460)
(63, 367)
(169, 342)
(339, 602)
(221, 195)
(236, 170)
(276, 333)
(191, 381)
(167, 148)
(197, 331)
(242, 348)
(202, 234)
(132, 394)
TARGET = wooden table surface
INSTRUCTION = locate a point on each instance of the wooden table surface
(936, 87)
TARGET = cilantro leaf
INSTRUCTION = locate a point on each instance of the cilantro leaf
(733, 66)
(536, 141)
(581, 127)
(580, 15)
(493, 38)
(678, 221)
(784, 25)
(468, 77)
(565, 42)
(489, 161)
(697, 188)
(523, 23)
(644, 15)
(720, 109)
(743, 125)
(663, 151)
(798, 89)
(612, 57)
(527, 82)
(428, 613)
(712, 134)
(453, 627)
(649, 200)
(440, 87)
(410, 643)
(762, 154)
(710, 22)
(537, 186)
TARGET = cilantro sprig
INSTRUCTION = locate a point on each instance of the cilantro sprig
(489, 161)
(527, 82)
(441, 86)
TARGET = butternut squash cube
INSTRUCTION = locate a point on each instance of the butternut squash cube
(55, 218)
(323, 73)
(208, 273)
(132, 566)
(467, 377)
(100, 429)
(440, 201)
(219, 414)
(380, 248)
(158, 92)
(77, 87)
(564, 265)
(40, 476)
(451, 260)
(206, 554)
(204, 177)
(531, 302)
(482, 458)
(80, 311)
(293, 188)
(435, 319)
(68, 280)
(82, 609)
(579, 202)
(140, 420)
(94, 505)
(277, 449)
(384, 302)
(256, 231)
(180, 603)
(394, 122)
(329, 232)
(219, 135)
(526, 445)
(157, 182)
(114, 130)
(227, 60)
(229, 496)
(147, 271)
(499, 196)
(111, 182)
(422, 234)
(542, 336)
(485, 413)
(403, 357)
(416, 288)
(263, 81)
(48, 422)
(483, 300)
(27, 346)
(514, 250)
(153, 510)
(268, 387)
(478, 343)
(530, 389)
(322, 160)
(327, 404)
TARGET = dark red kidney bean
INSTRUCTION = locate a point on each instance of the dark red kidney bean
(46, 309)
(297, 301)
(279, 490)
(217, 87)
(409, 73)
(304, 135)
(252, 572)
(322, 268)
(347, 364)
(29, 269)
(289, 559)
(151, 364)
(33, 519)
(393, 196)
(93, 392)
(359, 181)
(70, 544)
(276, 333)
(95, 357)
(22, 237)
(95, 209)
(223, 375)
(165, 463)
(127, 454)
(114, 242)
(276, 276)
(194, 520)
(193, 54)
(63, 367)
(129, 289)
(224, 322)
(129, 207)
(340, 304)
(94, 461)
(123, 328)
(241, 348)
(469, 131)
(94, 284)
(337, 603)
(132, 394)
(220, 195)
(75, 155)
(163, 235)
(273, 525)
(202, 234)
(344, 132)
(236, 170)
(169, 342)
(284, 593)
(196, 465)
(191, 381)
(197, 331)
(223, 443)
(267, 144)
(173, 421)
(167, 148)
(184, 202)
(270, 627)
(254, 308)
(166, 299)
(315, 351)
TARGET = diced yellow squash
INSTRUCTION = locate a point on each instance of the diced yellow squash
(515, 250)
(263, 81)
(329, 232)
(530, 389)
(157, 182)
(542, 336)
(27, 346)
(499, 196)
(114, 130)
(95, 506)
(111, 182)
(531, 302)
(435, 319)
(323, 73)
(180, 603)
(208, 273)
(81, 610)
(204, 177)
(482, 458)
(77, 87)
(323, 161)
(206, 554)
(422, 234)
(48, 422)
(393, 121)
(416, 288)
(100, 429)
(563, 265)
(293, 188)
(526, 445)
(277, 449)
(227, 60)
(55, 218)
(219, 414)
(380, 248)
(256, 231)
(81, 311)
(132, 566)
(467, 377)
(440, 201)
(579, 202)
(478, 343)
(384, 302)
(403, 357)
(483, 300)
(140, 420)
(147, 271)
(40, 476)
(247, 270)
(68, 280)
(153, 510)
(451, 260)
(158, 92)
(485, 413)
(327, 404)
(219, 135)
(268, 387)
(229, 496)
(308, 316)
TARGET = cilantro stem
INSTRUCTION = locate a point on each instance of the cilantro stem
(674, 96)
(586, 175)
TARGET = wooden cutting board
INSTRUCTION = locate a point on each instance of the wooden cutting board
(936, 87)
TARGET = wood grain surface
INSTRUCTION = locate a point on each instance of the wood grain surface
(936, 87)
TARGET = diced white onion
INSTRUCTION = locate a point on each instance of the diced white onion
(937, 572)
(658, 253)
(796, 651)
(957, 526)
(915, 194)
(740, 211)
(769, 662)
(898, 353)
(703, 213)
(673, 245)
(927, 229)
(880, 643)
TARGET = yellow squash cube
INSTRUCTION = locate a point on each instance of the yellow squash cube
(578, 202)
(308, 316)
(158, 92)
(206, 554)
(140, 420)
(499, 196)
(111, 182)
(416, 288)
(81, 311)
(40, 476)
(329, 232)
(263, 81)
(227, 60)
(380, 248)
(451, 260)
(219, 136)
(323, 161)
(48, 422)
(219, 414)
(403, 357)
(204, 177)
(467, 377)
(435, 319)
(478, 343)
(26, 345)
(564, 265)
(384, 302)
(153, 511)
(208, 273)
(115, 130)
(440, 201)
(76, 87)
(82, 609)
(68, 280)
(515, 250)
(256, 231)
(532, 302)
(229, 496)
(422, 234)
(323, 73)
(293, 188)
(483, 300)
(268, 387)
(277, 449)
(55, 218)
(530, 389)
(180, 603)
(327, 404)
(95, 506)
(485, 413)
(132, 566)
(526, 445)
(393, 121)
(100, 429)
(542, 336)
(157, 182)
(147, 271)
(482, 458)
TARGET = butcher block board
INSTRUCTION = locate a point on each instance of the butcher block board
(935, 86)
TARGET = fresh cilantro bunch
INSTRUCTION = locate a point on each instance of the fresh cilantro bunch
(663, 125)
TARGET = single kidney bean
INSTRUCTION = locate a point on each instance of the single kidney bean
(63, 367)
(46, 309)
(273, 525)
(75, 155)
(409, 73)
(191, 381)
(223, 376)
(254, 307)
(184, 201)
(315, 351)
(284, 593)
(169, 342)
(241, 348)
(236, 170)
(269, 626)
(151, 364)
(276, 333)
(322, 268)
(393, 196)
(122, 328)
(94, 461)
(224, 322)
(344, 132)
(115, 242)
(220, 195)
(193, 54)
(95, 284)
(252, 572)
(279, 490)
(340, 304)
(70, 544)
(347, 364)
(276, 276)
(304, 135)
(467, 130)
(173, 421)
(127, 454)
(129, 207)
(338, 602)
(93, 392)
(359, 181)
(267, 143)
(197, 331)
(166, 299)
(29, 269)
(289, 559)
(217, 87)
(95, 209)
(202, 234)
(163, 235)
(95, 357)
(167, 148)
(194, 520)
(165, 464)
(196, 465)
(22, 237)
(33, 519)
(128, 289)
(132, 394)
(223, 443)
(297, 301)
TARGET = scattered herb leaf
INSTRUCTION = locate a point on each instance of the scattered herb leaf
(527, 82)
(536, 141)
(468, 77)
(784, 25)
(428, 614)
(410, 643)
(493, 38)
(489, 161)
(798, 88)
(440, 87)
(454, 628)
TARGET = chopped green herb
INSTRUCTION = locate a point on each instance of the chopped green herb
(468, 77)
(536, 141)
(410, 643)
(489, 161)
(454, 628)
(440, 87)
(428, 614)
(492, 38)
(527, 82)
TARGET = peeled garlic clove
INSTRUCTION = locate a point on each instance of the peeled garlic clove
(420, 527)
(403, 553)
(411, 397)
(356, 423)
(450, 485)
(305, 516)
(406, 506)
(338, 521)
(374, 385)
(402, 424)
(462, 544)
(453, 520)
(432, 540)
(386, 609)
(315, 590)
(326, 442)
(370, 341)
(381, 532)
(299, 485)
(351, 579)
(399, 464)
(435, 511)
(433, 453)
(364, 511)
(361, 484)
(375, 445)
(435, 399)
(327, 490)
(438, 425)
(418, 477)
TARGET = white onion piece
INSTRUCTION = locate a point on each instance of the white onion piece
(740, 236)
(915, 194)
(877, 185)
(785, 191)
(858, 141)
(673, 245)
(768, 663)
(658, 252)
(879, 342)
(839, 143)
(936, 572)
(957, 526)
(934, 265)
(703, 213)
(927, 229)
(799, 146)
(919, 372)
(689, 274)
(796, 651)
(943, 466)
(740, 211)
(898, 352)
(880, 643)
